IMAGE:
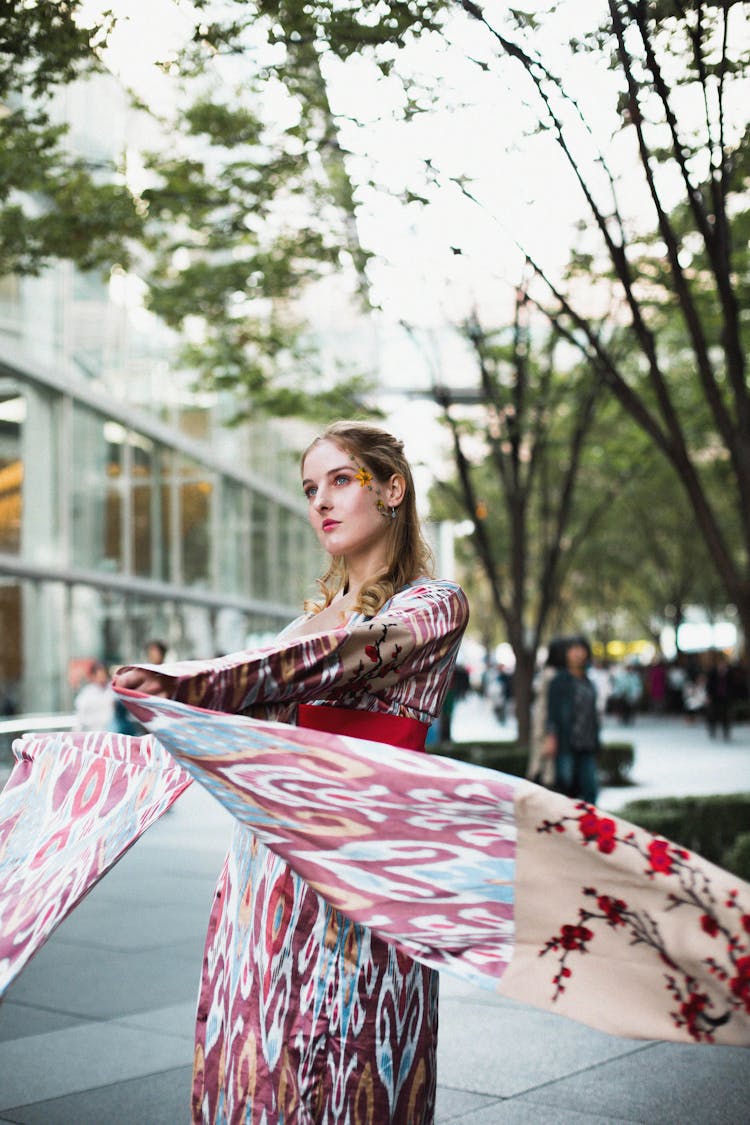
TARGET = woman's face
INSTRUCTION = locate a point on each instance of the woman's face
(577, 656)
(348, 507)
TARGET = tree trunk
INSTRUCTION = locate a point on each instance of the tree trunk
(523, 681)
(743, 612)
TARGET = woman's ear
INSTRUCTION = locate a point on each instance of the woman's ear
(396, 490)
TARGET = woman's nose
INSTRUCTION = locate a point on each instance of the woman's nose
(321, 500)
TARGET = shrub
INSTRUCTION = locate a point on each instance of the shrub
(737, 858)
(716, 826)
(615, 760)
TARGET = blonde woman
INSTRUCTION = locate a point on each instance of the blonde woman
(303, 1015)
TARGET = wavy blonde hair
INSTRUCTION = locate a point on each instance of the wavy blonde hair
(407, 554)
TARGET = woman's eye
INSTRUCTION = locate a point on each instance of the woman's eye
(310, 492)
(343, 479)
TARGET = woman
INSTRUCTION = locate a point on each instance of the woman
(572, 726)
(304, 1015)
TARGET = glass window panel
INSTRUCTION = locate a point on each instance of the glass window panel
(145, 501)
(286, 561)
(98, 626)
(260, 543)
(12, 413)
(11, 650)
(234, 545)
(96, 491)
(166, 534)
(148, 620)
(195, 522)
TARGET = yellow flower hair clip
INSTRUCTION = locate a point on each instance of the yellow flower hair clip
(364, 476)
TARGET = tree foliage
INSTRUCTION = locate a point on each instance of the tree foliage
(238, 213)
(52, 203)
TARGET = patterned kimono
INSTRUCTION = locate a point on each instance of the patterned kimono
(303, 1015)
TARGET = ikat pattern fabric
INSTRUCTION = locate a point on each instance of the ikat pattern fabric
(540, 897)
(398, 662)
(73, 805)
(304, 1014)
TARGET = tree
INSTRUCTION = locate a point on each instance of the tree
(646, 564)
(695, 170)
(680, 68)
(520, 461)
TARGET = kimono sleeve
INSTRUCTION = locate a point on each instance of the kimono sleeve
(418, 630)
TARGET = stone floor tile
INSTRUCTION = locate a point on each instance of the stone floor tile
(154, 1099)
(106, 984)
(670, 1083)
(18, 1021)
(83, 1058)
(497, 1050)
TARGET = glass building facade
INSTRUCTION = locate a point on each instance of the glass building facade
(114, 529)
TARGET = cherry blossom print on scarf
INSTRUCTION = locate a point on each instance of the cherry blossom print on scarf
(624, 930)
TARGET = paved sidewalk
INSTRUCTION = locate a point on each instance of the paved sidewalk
(98, 1029)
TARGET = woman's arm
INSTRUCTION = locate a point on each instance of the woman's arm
(417, 632)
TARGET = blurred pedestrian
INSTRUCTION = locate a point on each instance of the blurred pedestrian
(572, 726)
(694, 696)
(123, 721)
(156, 652)
(95, 703)
(719, 695)
(627, 690)
(656, 685)
(458, 690)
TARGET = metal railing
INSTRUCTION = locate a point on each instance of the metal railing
(14, 727)
(24, 724)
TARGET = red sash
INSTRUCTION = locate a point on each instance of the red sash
(396, 730)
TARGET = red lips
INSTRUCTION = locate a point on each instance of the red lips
(328, 525)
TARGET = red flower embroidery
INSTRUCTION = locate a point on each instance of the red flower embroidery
(606, 836)
(613, 909)
(691, 1011)
(599, 828)
(659, 857)
(689, 886)
(589, 825)
(372, 653)
(740, 985)
(575, 937)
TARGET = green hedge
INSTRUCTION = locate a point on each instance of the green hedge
(615, 760)
(716, 826)
(737, 858)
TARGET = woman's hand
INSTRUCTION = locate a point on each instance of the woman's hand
(143, 679)
(549, 746)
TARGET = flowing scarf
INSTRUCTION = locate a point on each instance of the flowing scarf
(541, 898)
